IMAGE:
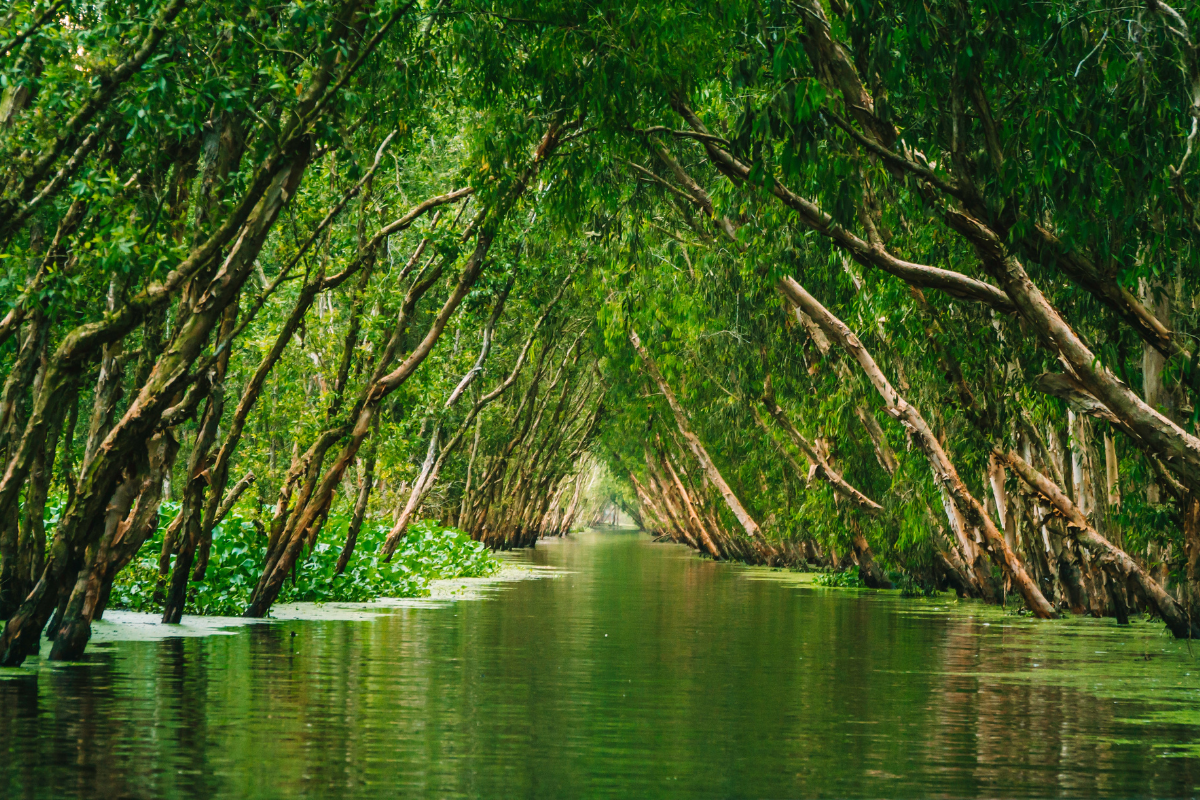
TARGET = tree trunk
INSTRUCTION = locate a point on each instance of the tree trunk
(1008, 522)
(868, 571)
(706, 463)
(701, 531)
(883, 451)
(658, 483)
(1078, 526)
(1112, 472)
(75, 629)
(191, 509)
(809, 449)
(366, 482)
(943, 469)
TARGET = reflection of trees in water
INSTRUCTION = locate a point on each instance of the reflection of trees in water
(60, 740)
(727, 685)
(1038, 738)
(19, 731)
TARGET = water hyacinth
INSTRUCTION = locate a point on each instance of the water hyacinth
(429, 552)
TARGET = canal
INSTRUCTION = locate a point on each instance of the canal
(632, 669)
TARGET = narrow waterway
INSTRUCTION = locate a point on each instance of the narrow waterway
(641, 671)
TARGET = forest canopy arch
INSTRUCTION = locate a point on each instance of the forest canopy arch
(901, 286)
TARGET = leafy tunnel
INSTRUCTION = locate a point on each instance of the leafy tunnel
(899, 288)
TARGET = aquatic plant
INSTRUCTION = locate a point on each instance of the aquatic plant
(429, 552)
(848, 578)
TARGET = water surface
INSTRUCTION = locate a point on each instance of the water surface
(643, 671)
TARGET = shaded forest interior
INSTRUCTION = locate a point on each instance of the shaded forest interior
(900, 288)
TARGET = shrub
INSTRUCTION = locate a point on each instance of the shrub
(429, 552)
(847, 579)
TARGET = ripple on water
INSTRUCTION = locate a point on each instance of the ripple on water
(639, 671)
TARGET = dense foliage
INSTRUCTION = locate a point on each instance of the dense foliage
(430, 552)
(902, 286)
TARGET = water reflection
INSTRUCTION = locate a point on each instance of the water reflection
(643, 672)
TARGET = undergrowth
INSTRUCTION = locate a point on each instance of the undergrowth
(845, 579)
(429, 552)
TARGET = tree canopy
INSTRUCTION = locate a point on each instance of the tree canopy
(903, 286)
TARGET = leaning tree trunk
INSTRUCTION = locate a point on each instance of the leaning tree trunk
(698, 450)
(132, 518)
(309, 514)
(1081, 529)
(366, 482)
(943, 469)
(78, 531)
(690, 508)
(189, 524)
(827, 473)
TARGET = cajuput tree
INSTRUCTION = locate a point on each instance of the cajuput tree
(901, 287)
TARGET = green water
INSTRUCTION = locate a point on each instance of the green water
(643, 672)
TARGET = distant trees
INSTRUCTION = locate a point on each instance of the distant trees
(902, 286)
